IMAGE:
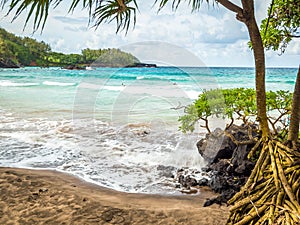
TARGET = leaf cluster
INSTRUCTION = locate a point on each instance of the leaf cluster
(195, 4)
(282, 24)
(121, 11)
(279, 106)
(235, 104)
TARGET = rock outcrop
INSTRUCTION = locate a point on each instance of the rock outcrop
(74, 67)
(8, 63)
(141, 65)
(228, 167)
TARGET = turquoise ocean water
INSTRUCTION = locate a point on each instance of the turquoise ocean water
(114, 127)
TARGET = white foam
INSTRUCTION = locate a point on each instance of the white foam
(193, 94)
(140, 77)
(52, 83)
(89, 86)
(6, 83)
(125, 158)
(114, 88)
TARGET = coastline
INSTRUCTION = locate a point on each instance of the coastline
(51, 197)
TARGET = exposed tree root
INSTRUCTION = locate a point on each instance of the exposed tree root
(272, 192)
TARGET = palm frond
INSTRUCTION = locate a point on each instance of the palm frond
(116, 10)
(89, 4)
(38, 9)
(195, 4)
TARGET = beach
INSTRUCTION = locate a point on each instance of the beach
(51, 197)
(126, 138)
(117, 147)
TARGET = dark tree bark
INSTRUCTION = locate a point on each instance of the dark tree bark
(295, 114)
(246, 15)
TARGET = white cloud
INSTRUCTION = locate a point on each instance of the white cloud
(294, 47)
(58, 43)
(213, 34)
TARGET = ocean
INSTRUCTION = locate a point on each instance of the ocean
(114, 127)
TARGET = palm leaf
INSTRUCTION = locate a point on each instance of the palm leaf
(38, 9)
(195, 4)
(116, 10)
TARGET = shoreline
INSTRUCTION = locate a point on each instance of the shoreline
(51, 197)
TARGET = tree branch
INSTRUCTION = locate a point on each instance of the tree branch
(231, 6)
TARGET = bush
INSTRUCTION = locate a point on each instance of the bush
(236, 104)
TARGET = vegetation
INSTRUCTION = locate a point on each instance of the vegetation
(282, 24)
(237, 104)
(29, 52)
(271, 194)
(24, 51)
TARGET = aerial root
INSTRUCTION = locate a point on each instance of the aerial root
(271, 193)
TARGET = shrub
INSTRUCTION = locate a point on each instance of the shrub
(236, 104)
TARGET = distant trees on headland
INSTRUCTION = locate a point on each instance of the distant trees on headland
(24, 51)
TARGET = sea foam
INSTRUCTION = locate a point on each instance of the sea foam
(52, 83)
(7, 83)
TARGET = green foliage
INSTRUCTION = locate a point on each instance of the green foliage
(279, 106)
(27, 51)
(22, 51)
(121, 11)
(282, 24)
(109, 57)
(90, 55)
(189, 120)
(235, 104)
(279, 100)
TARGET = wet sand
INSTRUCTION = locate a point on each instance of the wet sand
(50, 197)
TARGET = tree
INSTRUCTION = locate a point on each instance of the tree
(277, 30)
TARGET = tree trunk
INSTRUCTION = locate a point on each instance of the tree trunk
(246, 15)
(259, 57)
(295, 114)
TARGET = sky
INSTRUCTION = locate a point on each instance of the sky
(212, 34)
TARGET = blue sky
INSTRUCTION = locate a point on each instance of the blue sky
(212, 34)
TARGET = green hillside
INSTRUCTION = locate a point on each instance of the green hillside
(23, 51)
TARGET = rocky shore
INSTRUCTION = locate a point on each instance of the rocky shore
(7, 63)
(228, 167)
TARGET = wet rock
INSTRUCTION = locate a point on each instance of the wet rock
(228, 165)
(187, 181)
(166, 171)
(216, 146)
(239, 161)
(218, 183)
(203, 182)
(190, 178)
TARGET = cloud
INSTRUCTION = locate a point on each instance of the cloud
(212, 33)
(58, 43)
(71, 20)
(76, 28)
(294, 47)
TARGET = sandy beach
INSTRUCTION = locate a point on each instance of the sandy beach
(50, 197)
